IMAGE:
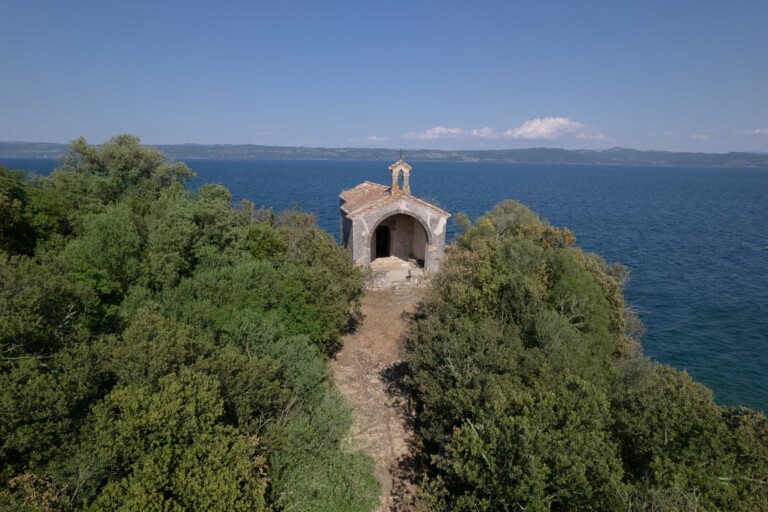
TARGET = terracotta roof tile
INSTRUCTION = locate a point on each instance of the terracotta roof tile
(362, 195)
(368, 196)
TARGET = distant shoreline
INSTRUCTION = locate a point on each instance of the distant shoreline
(575, 164)
(550, 156)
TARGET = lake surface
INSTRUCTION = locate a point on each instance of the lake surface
(695, 240)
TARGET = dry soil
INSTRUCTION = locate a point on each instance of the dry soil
(366, 370)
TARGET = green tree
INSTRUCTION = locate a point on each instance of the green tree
(123, 166)
(44, 402)
(41, 307)
(674, 437)
(16, 236)
(168, 449)
(171, 239)
(107, 256)
(536, 450)
(531, 392)
(160, 350)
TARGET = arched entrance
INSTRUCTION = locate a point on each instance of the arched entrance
(401, 236)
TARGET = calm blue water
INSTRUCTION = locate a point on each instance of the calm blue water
(696, 240)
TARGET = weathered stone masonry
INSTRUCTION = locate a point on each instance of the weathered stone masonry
(381, 221)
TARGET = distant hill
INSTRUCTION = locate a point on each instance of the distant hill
(616, 156)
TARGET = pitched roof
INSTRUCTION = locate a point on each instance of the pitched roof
(367, 196)
(400, 164)
(364, 194)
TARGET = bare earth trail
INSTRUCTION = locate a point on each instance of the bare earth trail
(366, 371)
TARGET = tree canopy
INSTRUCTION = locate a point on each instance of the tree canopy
(163, 350)
(531, 391)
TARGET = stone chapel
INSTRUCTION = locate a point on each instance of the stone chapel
(380, 222)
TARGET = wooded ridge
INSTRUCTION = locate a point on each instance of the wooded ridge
(613, 156)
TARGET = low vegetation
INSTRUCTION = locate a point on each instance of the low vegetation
(161, 350)
(531, 392)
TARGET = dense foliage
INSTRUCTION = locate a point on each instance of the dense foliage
(531, 392)
(160, 350)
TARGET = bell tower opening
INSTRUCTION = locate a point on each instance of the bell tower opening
(401, 178)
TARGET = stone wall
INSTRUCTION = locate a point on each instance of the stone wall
(432, 222)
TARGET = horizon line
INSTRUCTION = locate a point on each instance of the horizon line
(753, 152)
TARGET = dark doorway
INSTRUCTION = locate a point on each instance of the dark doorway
(382, 241)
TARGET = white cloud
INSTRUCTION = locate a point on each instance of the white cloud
(543, 128)
(757, 132)
(546, 128)
(438, 132)
(484, 133)
(700, 136)
(377, 138)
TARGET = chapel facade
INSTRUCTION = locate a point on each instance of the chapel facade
(379, 221)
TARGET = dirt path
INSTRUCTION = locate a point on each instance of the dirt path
(366, 371)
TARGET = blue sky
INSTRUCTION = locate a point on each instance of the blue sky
(676, 75)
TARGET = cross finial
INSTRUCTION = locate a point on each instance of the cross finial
(401, 154)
